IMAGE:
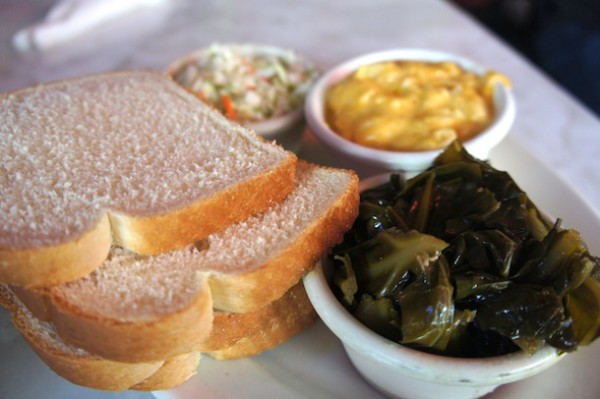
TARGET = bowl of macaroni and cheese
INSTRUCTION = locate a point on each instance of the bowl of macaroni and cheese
(398, 109)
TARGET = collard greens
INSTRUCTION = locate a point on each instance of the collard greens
(459, 261)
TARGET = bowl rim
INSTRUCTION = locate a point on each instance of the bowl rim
(479, 144)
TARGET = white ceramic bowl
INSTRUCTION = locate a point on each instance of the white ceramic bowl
(401, 372)
(287, 129)
(414, 161)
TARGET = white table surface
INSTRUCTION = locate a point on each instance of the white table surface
(550, 123)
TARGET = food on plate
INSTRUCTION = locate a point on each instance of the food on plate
(247, 83)
(126, 157)
(140, 310)
(130, 306)
(411, 105)
(233, 336)
(458, 261)
(143, 228)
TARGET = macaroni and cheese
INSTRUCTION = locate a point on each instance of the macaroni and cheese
(411, 105)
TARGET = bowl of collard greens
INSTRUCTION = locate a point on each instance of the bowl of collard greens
(453, 282)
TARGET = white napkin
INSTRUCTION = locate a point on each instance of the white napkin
(69, 18)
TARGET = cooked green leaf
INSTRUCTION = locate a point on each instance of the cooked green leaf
(393, 255)
(345, 280)
(379, 315)
(458, 260)
(527, 314)
(583, 304)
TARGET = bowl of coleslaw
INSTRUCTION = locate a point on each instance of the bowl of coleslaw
(261, 87)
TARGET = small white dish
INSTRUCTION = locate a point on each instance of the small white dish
(286, 129)
(348, 152)
(402, 372)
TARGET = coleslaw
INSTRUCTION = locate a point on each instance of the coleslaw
(247, 83)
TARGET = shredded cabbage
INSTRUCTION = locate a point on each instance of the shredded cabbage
(248, 85)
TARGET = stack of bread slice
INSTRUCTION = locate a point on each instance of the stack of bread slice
(140, 229)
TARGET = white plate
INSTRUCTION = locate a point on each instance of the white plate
(313, 364)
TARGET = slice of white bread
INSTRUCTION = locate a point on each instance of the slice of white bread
(143, 308)
(234, 336)
(238, 335)
(129, 158)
